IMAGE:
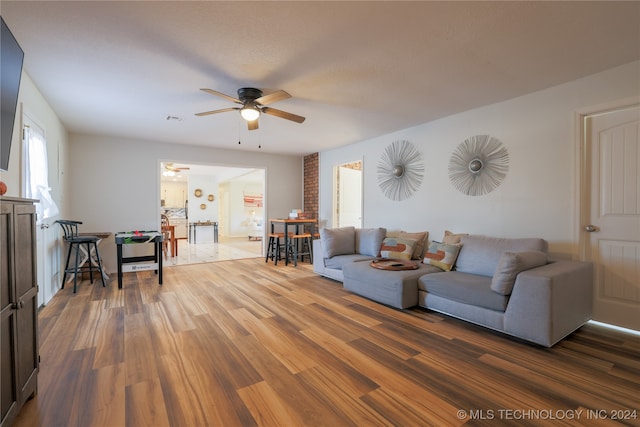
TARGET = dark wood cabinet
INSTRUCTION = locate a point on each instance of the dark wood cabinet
(18, 306)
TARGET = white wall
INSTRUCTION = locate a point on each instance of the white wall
(538, 196)
(32, 103)
(239, 214)
(209, 185)
(115, 183)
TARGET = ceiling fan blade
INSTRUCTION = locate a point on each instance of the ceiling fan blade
(253, 124)
(222, 95)
(283, 114)
(224, 110)
(171, 167)
(276, 96)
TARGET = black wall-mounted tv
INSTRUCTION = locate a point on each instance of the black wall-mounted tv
(11, 57)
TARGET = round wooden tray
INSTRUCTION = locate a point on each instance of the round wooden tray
(393, 264)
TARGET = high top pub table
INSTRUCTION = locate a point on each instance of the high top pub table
(141, 264)
(294, 222)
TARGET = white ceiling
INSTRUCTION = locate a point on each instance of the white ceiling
(356, 70)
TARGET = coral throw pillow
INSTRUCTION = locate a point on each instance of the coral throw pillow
(397, 248)
(442, 255)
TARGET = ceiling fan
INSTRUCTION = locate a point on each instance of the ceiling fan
(253, 103)
(169, 167)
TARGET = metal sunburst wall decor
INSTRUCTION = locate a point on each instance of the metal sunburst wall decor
(400, 170)
(478, 165)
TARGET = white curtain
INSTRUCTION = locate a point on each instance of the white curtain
(37, 173)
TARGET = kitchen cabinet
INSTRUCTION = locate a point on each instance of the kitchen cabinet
(174, 194)
(181, 227)
(18, 306)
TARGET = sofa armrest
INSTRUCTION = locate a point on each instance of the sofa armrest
(318, 257)
(550, 302)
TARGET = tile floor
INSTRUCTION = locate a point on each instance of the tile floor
(227, 248)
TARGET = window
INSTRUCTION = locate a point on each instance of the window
(36, 171)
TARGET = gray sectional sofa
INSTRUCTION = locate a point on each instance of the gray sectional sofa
(506, 284)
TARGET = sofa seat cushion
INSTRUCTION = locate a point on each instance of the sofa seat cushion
(339, 261)
(466, 288)
(481, 254)
(364, 271)
(395, 288)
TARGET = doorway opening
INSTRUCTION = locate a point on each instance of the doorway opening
(347, 194)
(216, 211)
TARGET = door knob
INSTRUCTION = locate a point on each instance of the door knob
(591, 228)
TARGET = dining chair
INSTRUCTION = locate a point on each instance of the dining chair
(166, 234)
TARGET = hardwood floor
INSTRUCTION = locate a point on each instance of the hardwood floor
(244, 343)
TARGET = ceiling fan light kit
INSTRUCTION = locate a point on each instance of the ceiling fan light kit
(253, 104)
(171, 170)
(249, 112)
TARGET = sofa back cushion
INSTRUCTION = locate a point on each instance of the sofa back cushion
(480, 254)
(369, 240)
(338, 241)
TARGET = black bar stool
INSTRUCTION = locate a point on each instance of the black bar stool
(300, 245)
(70, 229)
(274, 247)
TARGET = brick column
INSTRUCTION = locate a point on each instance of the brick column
(311, 178)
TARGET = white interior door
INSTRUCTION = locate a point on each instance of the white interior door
(350, 198)
(613, 146)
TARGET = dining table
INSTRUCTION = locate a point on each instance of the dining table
(296, 222)
(193, 227)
